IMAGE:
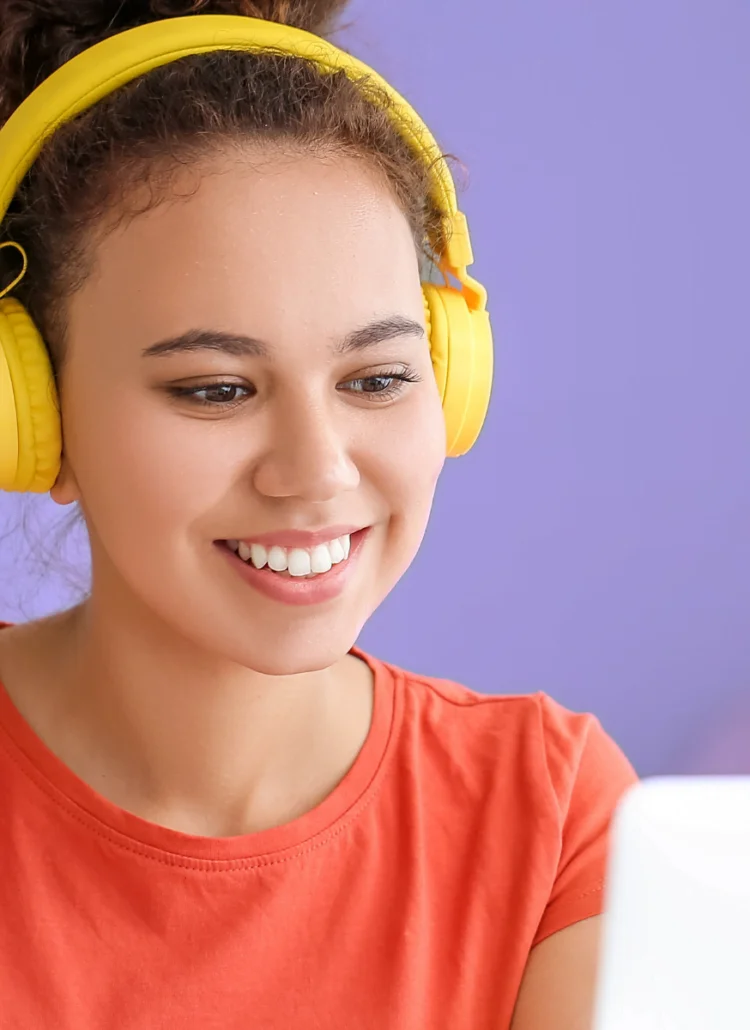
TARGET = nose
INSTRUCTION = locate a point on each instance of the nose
(308, 456)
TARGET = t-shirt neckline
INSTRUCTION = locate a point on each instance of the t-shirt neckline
(324, 822)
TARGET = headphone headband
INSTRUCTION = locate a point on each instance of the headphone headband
(103, 68)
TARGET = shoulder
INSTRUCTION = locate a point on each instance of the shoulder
(516, 721)
(528, 747)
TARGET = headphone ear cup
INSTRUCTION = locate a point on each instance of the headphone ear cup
(30, 456)
(462, 360)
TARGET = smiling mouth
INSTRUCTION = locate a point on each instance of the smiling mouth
(294, 562)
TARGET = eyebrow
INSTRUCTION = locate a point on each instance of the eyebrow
(239, 345)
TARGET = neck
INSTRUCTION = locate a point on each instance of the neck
(190, 740)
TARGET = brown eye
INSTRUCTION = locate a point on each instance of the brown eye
(376, 384)
(222, 393)
(213, 395)
(383, 386)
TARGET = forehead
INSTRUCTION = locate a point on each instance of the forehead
(271, 241)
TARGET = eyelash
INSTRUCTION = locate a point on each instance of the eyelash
(398, 381)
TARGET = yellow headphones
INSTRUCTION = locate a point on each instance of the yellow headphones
(457, 319)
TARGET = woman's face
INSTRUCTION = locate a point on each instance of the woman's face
(232, 374)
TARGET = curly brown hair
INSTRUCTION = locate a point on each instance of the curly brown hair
(177, 114)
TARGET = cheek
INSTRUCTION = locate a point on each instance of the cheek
(411, 458)
(421, 441)
(138, 464)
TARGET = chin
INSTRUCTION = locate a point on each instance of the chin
(296, 657)
(293, 651)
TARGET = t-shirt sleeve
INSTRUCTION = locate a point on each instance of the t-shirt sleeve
(588, 776)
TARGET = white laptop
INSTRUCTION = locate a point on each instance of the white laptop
(676, 953)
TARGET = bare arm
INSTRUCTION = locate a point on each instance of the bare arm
(557, 990)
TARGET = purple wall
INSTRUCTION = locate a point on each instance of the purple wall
(607, 503)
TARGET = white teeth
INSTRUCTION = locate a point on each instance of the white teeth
(277, 559)
(299, 563)
(296, 560)
(337, 550)
(320, 559)
(258, 555)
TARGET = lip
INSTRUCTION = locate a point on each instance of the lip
(296, 591)
(300, 537)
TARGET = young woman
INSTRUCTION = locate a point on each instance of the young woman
(217, 811)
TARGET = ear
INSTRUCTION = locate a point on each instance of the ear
(65, 489)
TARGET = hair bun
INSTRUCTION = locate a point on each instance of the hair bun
(38, 36)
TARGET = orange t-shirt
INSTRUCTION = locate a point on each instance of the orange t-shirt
(470, 828)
